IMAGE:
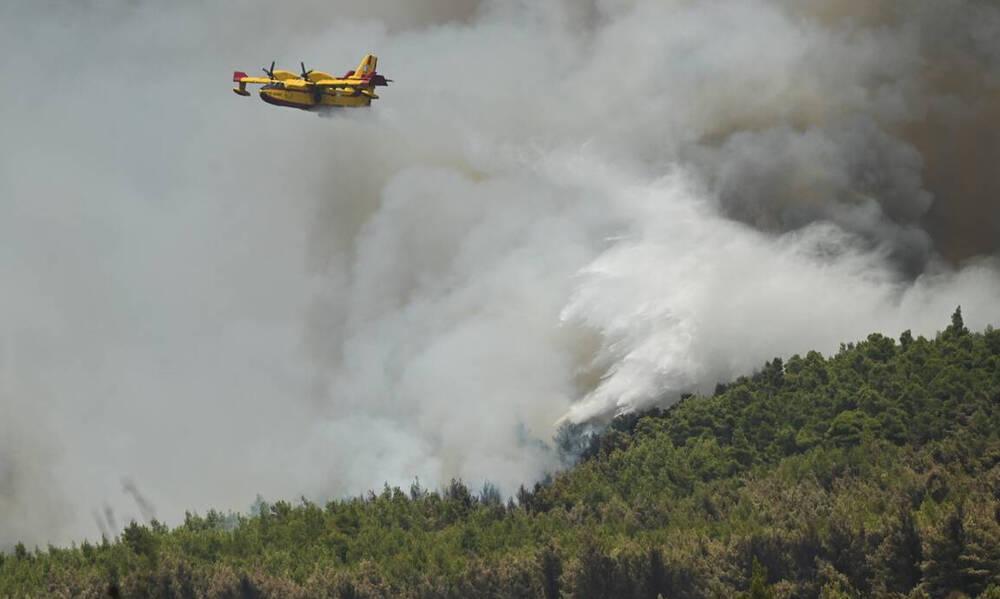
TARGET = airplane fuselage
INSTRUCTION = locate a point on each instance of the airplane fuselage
(307, 99)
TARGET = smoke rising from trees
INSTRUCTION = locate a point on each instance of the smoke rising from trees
(557, 211)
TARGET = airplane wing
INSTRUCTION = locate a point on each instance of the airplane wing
(297, 84)
(349, 85)
(339, 82)
(345, 87)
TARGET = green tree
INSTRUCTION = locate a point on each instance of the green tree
(759, 588)
(942, 573)
(141, 541)
(550, 565)
(897, 560)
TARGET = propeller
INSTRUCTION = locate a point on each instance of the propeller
(269, 73)
(317, 90)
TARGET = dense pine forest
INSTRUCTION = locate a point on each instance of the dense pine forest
(871, 473)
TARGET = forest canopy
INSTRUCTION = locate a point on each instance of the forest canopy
(874, 472)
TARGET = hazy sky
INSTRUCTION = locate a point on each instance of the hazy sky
(558, 210)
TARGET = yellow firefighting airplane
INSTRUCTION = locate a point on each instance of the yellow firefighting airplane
(316, 90)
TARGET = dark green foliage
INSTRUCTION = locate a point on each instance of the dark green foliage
(758, 584)
(140, 540)
(872, 473)
(897, 560)
(550, 565)
(591, 575)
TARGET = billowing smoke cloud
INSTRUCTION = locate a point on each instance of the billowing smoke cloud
(28, 503)
(557, 211)
(892, 106)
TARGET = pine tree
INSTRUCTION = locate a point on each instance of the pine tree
(551, 566)
(942, 573)
(897, 559)
(758, 583)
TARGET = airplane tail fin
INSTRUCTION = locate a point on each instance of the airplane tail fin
(238, 77)
(367, 67)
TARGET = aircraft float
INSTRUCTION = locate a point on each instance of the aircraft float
(316, 90)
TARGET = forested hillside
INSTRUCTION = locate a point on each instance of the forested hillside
(871, 473)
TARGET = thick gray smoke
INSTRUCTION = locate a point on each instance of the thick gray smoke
(564, 210)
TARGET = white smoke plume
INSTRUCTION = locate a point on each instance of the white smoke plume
(558, 210)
